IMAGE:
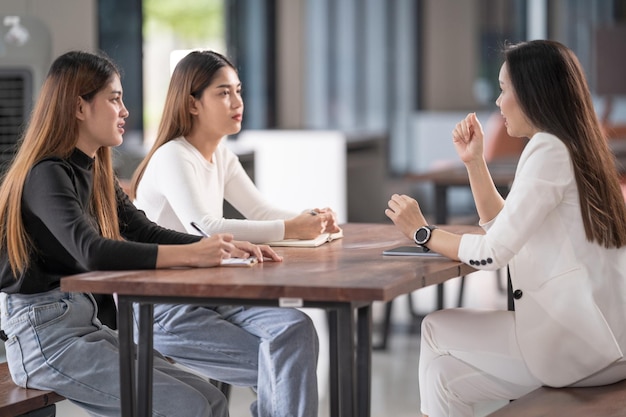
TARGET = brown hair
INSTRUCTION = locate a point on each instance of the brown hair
(192, 75)
(53, 131)
(552, 91)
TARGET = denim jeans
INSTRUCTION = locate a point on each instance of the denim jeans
(273, 350)
(55, 342)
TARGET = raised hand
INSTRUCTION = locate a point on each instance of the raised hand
(468, 139)
(405, 213)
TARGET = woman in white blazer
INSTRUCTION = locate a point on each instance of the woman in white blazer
(561, 231)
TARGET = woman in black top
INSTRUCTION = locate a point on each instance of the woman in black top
(62, 212)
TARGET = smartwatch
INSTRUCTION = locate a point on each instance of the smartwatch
(422, 235)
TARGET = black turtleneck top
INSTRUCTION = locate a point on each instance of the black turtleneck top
(65, 236)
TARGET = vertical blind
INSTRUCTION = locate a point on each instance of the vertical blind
(15, 104)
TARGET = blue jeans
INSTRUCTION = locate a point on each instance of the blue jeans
(273, 350)
(55, 342)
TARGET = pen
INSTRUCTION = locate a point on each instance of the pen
(313, 212)
(199, 229)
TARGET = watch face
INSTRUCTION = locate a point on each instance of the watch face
(421, 235)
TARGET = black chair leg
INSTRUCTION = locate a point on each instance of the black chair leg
(48, 411)
(501, 286)
(386, 329)
(413, 308)
(510, 300)
(461, 292)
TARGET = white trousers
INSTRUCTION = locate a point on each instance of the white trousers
(472, 356)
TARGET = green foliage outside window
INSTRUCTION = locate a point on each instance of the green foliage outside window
(189, 20)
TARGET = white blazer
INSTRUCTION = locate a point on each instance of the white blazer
(570, 294)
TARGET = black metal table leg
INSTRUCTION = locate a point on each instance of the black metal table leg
(441, 217)
(127, 366)
(145, 360)
(333, 362)
(364, 360)
(346, 359)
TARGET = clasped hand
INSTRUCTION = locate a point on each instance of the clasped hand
(308, 225)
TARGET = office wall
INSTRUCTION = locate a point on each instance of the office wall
(72, 23)
(450, 54)
(290, 68)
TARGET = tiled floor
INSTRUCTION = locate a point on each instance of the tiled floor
(394, 376)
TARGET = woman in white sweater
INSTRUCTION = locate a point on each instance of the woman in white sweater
(185, 178)
(562, 232)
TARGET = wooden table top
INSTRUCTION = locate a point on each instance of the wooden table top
(349, 269)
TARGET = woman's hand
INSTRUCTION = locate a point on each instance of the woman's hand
(406, 214)
(217, 247)
(210, 251)
(468, 139)
(330, 217)
(310, 224)
(260, 251)
(204, 253)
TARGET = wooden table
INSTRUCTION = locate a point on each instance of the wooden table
(345, 277)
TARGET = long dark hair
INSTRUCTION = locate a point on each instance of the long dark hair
(53, 131)
(552, 91)
(192, 75)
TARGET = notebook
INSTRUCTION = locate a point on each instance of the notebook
(252, 260)
(308, 243)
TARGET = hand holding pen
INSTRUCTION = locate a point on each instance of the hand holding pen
(229, 251)
(245, 249)
(310, 224)
(330, 217)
